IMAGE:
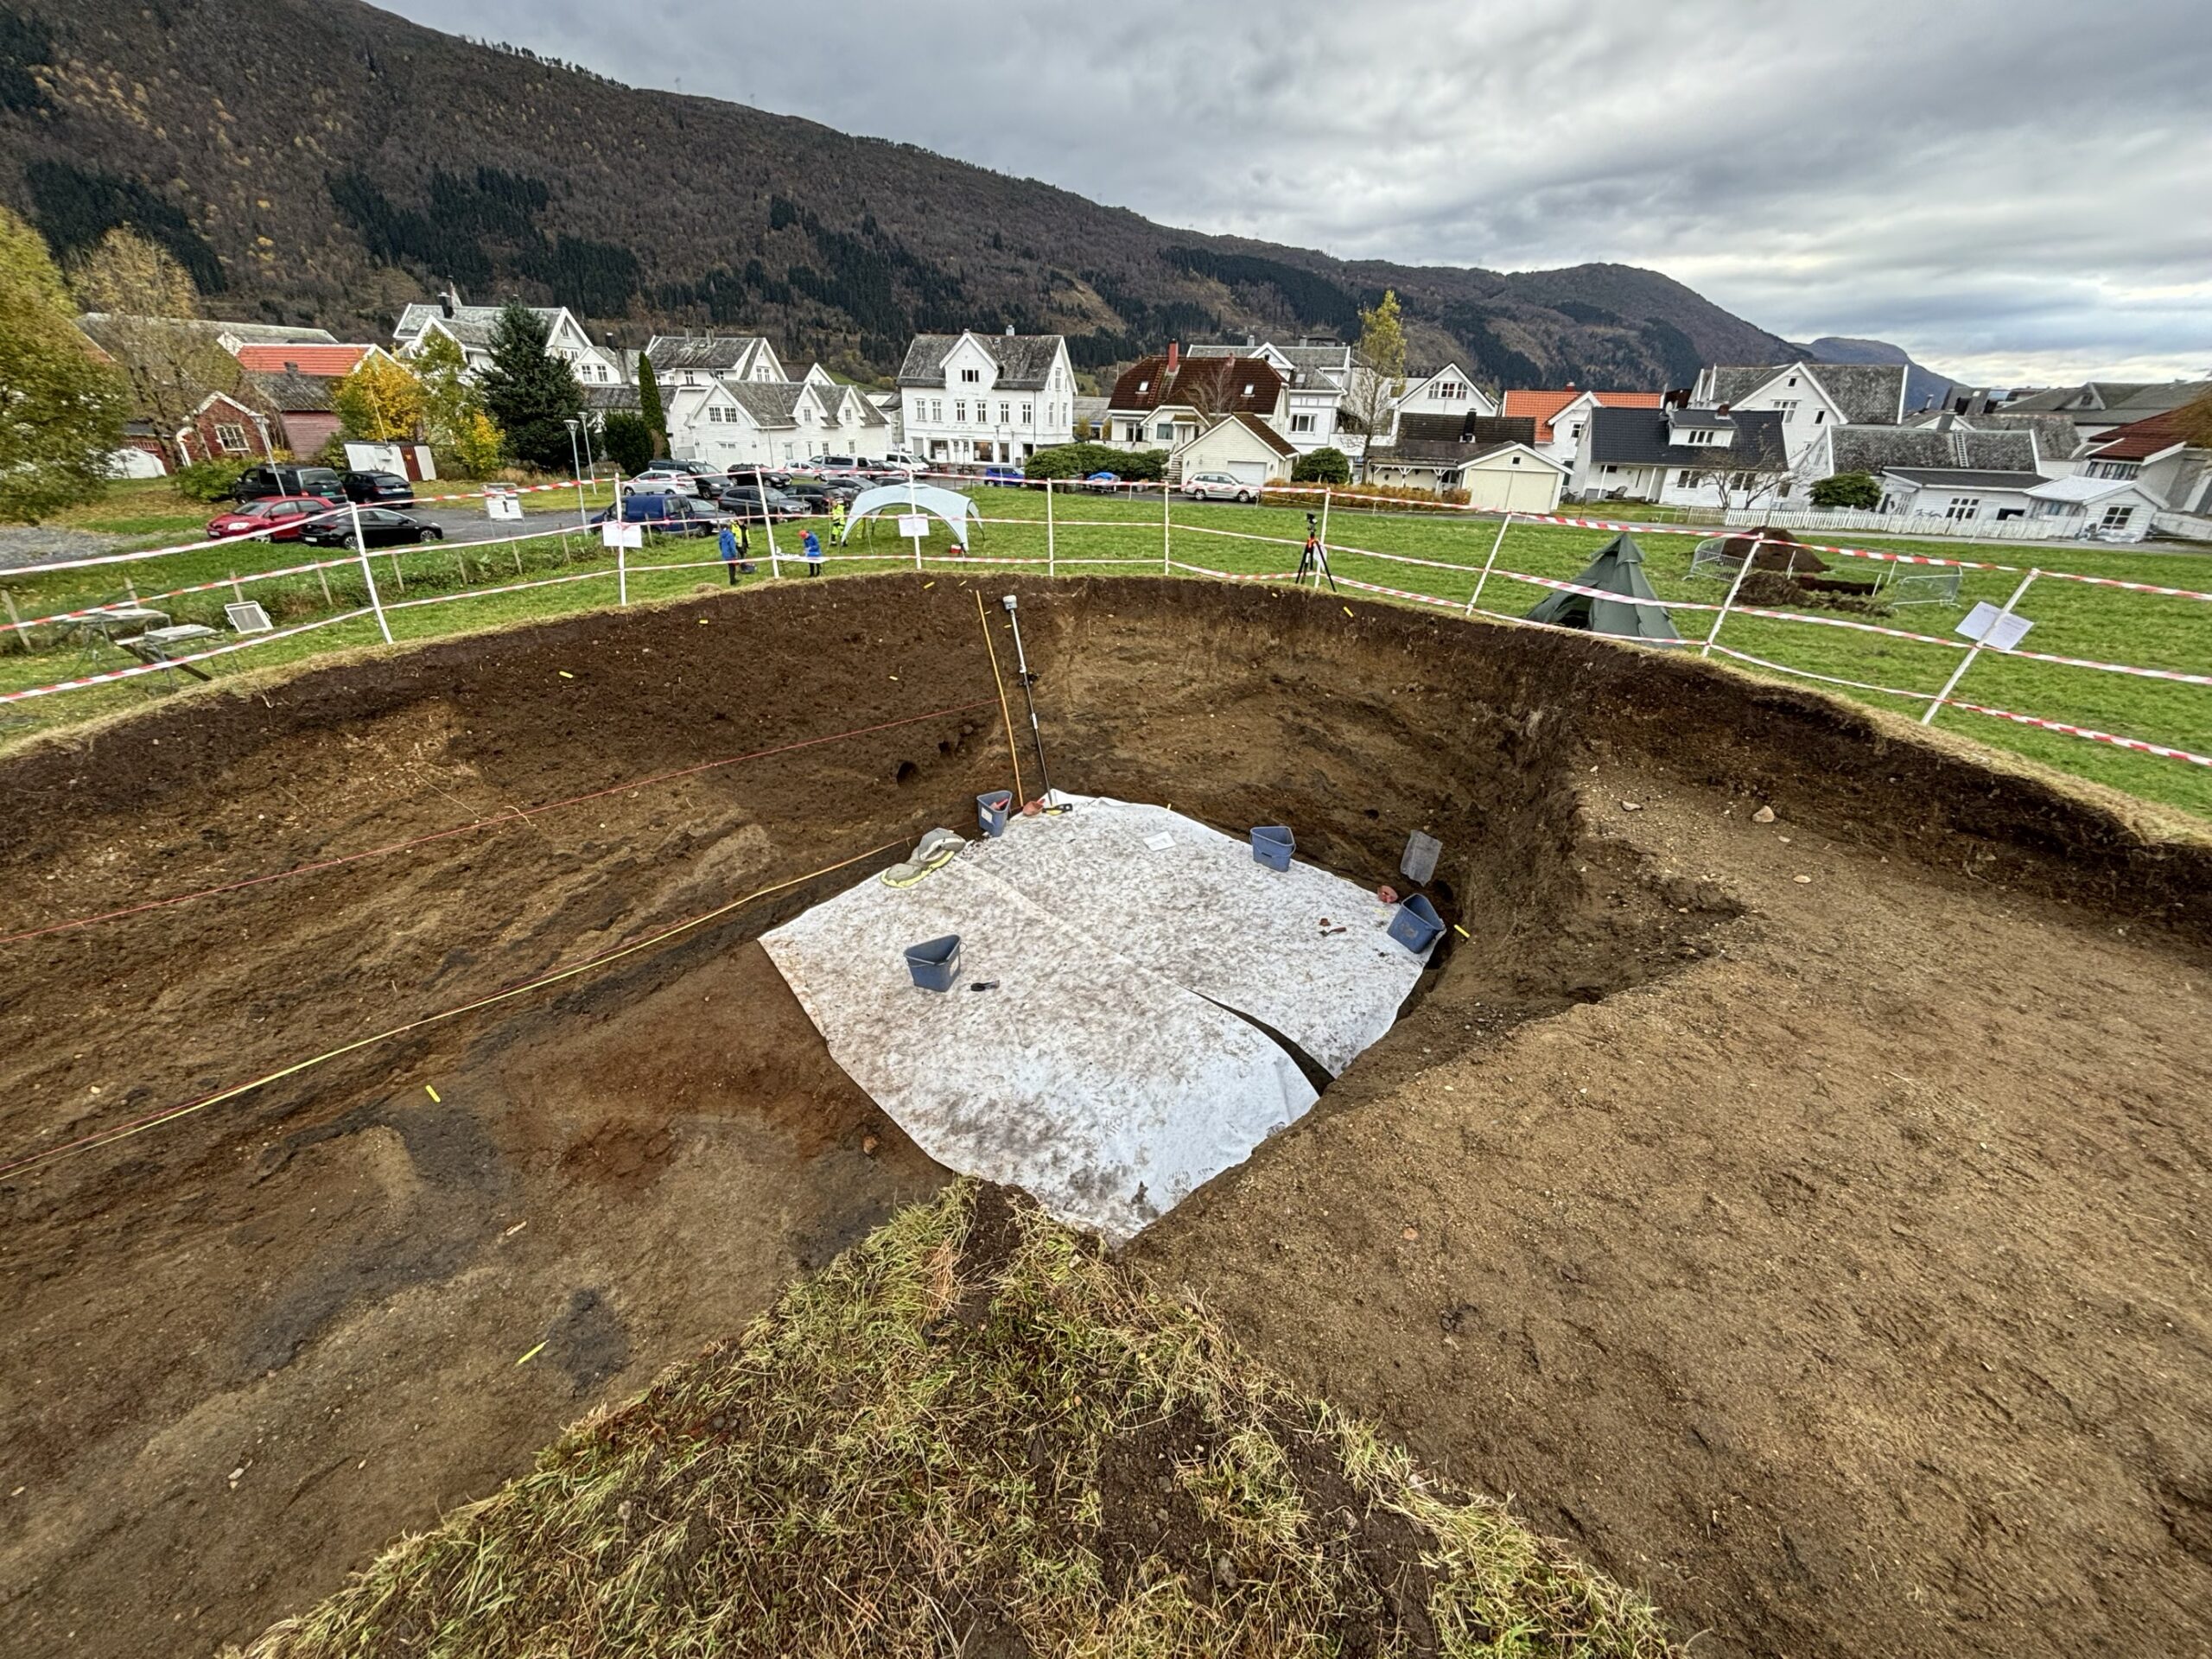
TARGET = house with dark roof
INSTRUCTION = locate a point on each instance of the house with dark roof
(1684, 456)
(1493, 460)
(1240, 446)
(1450, 391)
(985, 398)
(1164, 401)
(2095, 509)
(1957, 497)
(1561, 414)
(725, 424)
(1325, 382)
(691, 360)
(1949, 443)
(1809, 397)
(2100, 408)
(471, 327)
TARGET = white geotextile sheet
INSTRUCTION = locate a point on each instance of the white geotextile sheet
(1200, 910)
(1104, 1090)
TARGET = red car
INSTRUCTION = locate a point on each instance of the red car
(290, 514)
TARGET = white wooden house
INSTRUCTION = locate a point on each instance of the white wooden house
(973, 397)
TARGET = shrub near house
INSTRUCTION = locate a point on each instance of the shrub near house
(1081, 459)
(1848, 490)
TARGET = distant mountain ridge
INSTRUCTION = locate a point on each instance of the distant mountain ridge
(1923, 386)
(370, 160)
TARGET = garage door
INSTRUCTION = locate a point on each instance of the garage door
(1248, 472)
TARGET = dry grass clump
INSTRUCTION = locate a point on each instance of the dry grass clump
(972, 1435)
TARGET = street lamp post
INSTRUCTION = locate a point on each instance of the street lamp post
(583, 513)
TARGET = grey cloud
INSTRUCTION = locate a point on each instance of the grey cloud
(2011, 188)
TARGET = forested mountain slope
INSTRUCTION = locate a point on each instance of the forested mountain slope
(322, 160)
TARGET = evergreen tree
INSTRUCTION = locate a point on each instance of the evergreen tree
(628, 442)
(649, 403)
(61, 410)
(529, 392)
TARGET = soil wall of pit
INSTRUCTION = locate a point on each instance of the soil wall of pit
(254, 1343)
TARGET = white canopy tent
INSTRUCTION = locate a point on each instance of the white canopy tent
(952, 508)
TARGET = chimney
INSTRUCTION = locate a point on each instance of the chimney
(1251, 342)
(1571, 386)
(1724, 408)
(291, 368)
(1009, 331)
(1174, 357)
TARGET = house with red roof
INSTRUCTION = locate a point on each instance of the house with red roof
(2160, 456)
(298, 382)
(1164, 401)
(1561, 415)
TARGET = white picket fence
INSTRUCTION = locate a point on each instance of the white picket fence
(1903, 523)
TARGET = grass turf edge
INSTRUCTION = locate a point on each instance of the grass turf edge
(973, 1433)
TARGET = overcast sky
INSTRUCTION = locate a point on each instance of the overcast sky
(2013, 190)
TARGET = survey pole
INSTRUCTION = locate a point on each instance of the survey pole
(361, 548)
(1051, 553)
(1476, 598)
(1959, 672)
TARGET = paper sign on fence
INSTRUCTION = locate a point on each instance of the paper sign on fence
(500, 505)
(2000, 630)
(913, 524)
(620, 535)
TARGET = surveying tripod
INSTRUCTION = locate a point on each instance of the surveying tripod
(1314, 559)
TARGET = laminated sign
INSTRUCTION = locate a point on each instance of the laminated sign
(614, 533)
(913, 524)
(1998, 630)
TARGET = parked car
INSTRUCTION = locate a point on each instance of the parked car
(289, 513)
(381, 527)
(666, 477)
(1219, 487)
(389, 488)
(819, 493)
(1102, 483)
(752, 505)
(907, 461)
(1000, 473)
(659, 510)
(268, 481)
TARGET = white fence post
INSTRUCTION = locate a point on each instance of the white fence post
(361, 547)
(1742, 570)
(1476, 598)
(1959, 672)
(1050, 552)
(621, 571)
(1166, 531)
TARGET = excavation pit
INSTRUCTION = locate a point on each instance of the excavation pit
(1681, 1189)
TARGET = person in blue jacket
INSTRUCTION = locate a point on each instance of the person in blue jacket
(811, 545)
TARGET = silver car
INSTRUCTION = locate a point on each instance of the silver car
(1219, 487)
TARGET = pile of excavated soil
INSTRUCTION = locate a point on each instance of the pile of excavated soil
(1821, 1253)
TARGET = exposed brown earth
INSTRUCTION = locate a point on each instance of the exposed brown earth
(1824, 1254)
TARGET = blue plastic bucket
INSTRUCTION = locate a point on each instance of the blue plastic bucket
(936, 964)
(1416, 925)
(991, 810)
(1271, 845)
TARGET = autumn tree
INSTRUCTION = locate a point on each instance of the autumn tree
(380, 402)
(61, 409)
(530, 392)
(1378, 369)
(143, 308)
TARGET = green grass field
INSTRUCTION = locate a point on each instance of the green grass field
(2102, 623)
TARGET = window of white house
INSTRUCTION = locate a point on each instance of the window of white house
(960, 412)
(1963, 507)
(1301, 422)
(1144, 385)
(230, 439)
(1818, 415)
(2114, 468)
(1006, 413)
(1164, 430)
(1575, 431)
(2117, 517)
(1028, 415)
(1688, 480)
(1610, 471)
(936, 409)
(1450, 391)
(1793, 380)
(1248, 386)
(971, 377)
(1789, 408)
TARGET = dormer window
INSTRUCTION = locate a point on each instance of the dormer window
(971, 377)
(1248, 388)
(1144, 385)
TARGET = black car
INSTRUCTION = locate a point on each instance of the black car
(744, 501)
(385, 489)
(819, 493)
(381, 527)
(257, 482)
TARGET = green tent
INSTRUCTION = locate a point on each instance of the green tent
(1618, 569)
